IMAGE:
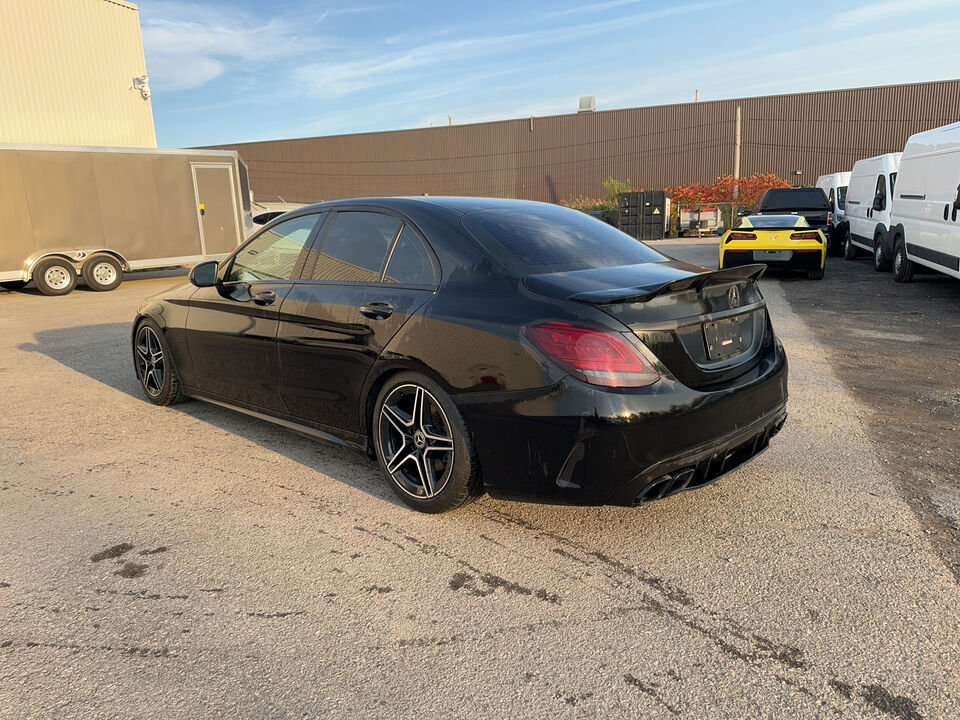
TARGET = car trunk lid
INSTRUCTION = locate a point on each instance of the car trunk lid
(706, 327)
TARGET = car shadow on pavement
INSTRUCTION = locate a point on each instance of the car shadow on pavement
(102, 353)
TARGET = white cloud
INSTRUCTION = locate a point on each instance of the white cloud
(188, 45)
(341, 77)
(885, 11)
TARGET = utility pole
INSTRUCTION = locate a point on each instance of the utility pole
(736, 156)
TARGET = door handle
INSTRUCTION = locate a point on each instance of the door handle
(265, 297)
(377, 310)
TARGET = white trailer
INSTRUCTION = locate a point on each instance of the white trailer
(95, 213)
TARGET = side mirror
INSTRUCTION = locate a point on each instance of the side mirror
(956, 199)
(878, 203)
(205, 274)
(742, 212)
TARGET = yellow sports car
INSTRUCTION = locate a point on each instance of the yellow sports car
(780, 241)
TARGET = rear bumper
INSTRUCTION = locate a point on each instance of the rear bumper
(807, 259)
(578, 444)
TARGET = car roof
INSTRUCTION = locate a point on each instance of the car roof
(460, 205)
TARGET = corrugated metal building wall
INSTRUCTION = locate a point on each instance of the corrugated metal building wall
(560, 157)
(66, 68)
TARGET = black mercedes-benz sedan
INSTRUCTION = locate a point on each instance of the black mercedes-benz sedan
(471, 345)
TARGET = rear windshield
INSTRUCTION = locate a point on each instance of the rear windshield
(795, 199)
(774, 221)
(549, 238)
(842, 197)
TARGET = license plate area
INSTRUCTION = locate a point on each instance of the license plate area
(728, 337)
(772, 255)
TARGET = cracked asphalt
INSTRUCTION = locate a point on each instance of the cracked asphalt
(191, 562)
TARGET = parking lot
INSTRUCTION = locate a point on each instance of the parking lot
(192, 562)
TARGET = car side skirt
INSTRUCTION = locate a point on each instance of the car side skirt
(335, 436)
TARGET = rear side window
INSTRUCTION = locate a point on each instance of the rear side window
(543, 239)
(410, 264)
(776, 221)
(795, 199)
(274, 253)
(356, 247)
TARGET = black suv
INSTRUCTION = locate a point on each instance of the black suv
(809, 202)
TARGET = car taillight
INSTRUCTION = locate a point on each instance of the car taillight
(829, 218)
(741, 236)
(598, 357)
(805, 235)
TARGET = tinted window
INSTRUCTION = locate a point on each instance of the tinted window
(356, 247)
(842, 197)
(881, 191)
(273, 254)
(774, 221)
(410, 263)
(795, 199)
(554, 239)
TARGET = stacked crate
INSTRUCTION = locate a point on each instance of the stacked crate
(644, 214)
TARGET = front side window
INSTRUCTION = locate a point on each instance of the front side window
(274, 253)
(410, 263)
(356, 247)
(881, 192)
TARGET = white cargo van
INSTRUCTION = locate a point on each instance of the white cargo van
(834, 186)
(925, 223)
(869, 197)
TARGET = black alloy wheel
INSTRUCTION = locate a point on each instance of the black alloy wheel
(155, 369)
(422, 445)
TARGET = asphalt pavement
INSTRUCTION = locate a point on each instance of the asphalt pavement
(191, 562)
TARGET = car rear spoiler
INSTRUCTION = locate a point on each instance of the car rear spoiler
(613, 296)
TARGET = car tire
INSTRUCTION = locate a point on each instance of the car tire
(55, 276)
(881, 263)
(903, 266)
(816, 274)
(154, 365)
(849, 249)
(422, 445)
(13, 284)
(102, 273)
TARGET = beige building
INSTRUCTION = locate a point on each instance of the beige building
(72, 72)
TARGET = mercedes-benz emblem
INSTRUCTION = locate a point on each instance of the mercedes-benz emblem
(733, 296)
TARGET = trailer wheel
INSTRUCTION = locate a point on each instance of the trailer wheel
(102, 273)
(55, 276)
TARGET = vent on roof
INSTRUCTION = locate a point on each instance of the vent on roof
(588, 103)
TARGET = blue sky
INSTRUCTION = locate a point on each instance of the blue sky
(240, 70)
